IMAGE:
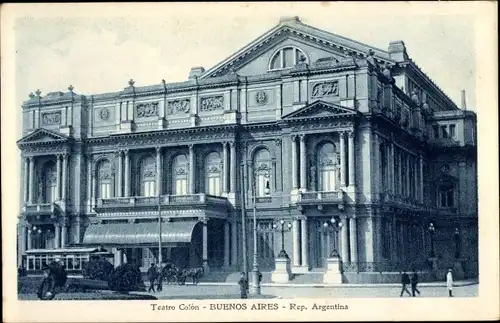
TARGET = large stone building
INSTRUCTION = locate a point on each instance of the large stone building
(308, 125)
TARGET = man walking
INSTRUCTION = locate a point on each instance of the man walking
(243, 282)
(449, 282)
(159, 286)
(152, 274)
(414, 282)
(405, 280)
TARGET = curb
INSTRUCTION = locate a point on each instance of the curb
(321, 285)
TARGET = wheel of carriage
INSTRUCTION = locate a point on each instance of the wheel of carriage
(181, 280)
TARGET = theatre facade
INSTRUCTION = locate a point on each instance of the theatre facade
(300, 125)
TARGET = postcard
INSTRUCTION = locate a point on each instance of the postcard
(249, 161)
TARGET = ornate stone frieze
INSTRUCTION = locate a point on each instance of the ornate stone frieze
(179, 106)
(104, 114)
(213, 169)
(261, 98)
(212, 103)
(52, 118)
(104, 175)
(325, 89)
(149, 109)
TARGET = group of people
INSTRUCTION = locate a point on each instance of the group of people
(155, 274)
(413, 282)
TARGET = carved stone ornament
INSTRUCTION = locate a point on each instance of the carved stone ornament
(180, 171)
(212, 103)
(147, 109)
(261, 98)
(104, 175)
(325, 89)
(52, 118)
(213, 169)
(104, 114)
(149, 173)
(178, 106)
(262, 167)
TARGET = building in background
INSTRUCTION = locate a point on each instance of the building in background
(310, 124)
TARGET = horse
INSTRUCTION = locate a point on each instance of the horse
(194, 273)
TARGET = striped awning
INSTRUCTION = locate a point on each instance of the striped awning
(138, 233)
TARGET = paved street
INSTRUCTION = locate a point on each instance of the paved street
(232, 291)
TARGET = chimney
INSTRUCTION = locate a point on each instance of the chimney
(464, 105)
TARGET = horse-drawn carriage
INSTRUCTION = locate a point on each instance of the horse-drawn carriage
(172, 274)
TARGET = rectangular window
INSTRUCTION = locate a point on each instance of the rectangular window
(327, 181)
(105, 190)
(444, 131)
(149, 188)
(435, 129)
(261, 185)
(452, 131)
(214, 186)
(180, 187)
(446, 196)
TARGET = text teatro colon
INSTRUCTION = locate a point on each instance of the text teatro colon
(310, 125)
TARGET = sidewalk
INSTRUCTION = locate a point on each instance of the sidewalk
(346, 285)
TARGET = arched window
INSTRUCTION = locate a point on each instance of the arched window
(213, 174)
(50, 182)
(179, 175)
(104, 178)
(148, 176)
(327, 168)
(262, 172)
(286, 57)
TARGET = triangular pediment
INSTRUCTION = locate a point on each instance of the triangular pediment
(316, 44)
(43, 136)
(320, 109)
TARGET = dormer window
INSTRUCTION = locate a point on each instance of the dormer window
(286, 57)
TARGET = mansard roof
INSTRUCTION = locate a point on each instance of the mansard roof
(320, 109)
(42, 136)
(295, 27)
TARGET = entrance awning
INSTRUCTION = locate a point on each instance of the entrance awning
(139, 233)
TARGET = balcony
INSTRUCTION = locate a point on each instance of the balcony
(42, 208)
(318, 197)
(149, 202)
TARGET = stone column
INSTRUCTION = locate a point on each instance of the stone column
(205, 246)
(78, 229)
(31, 183)
(295, 246)
(303, 163)
(234, 243)
(421, 178)
(127, 173)
(64, 234)
(232, 145)
(378, 165)
(352, 180)
(353, 236)
(57, 238)
(119, 191)
(294, 163)
(58, 180)
(304, 243)
(158, 170)
(342, 159)
(391, 167)
(192, 170)
(94, 186)
(29, 241)
(345, 241)
(226, 244)
(64, 177)
(225, 167)
(26, 180)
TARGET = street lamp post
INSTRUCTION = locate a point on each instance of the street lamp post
(255, 287)
(432, 228)
(160, 249)
(457, 243)
(282, 229)
(333, 225)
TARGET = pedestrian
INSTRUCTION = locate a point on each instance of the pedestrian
(159, 286)
(243, 282)
(405, 280)
(414, 283)
(152, 274)
(449, 282)
(47, 286)
(260, 277)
